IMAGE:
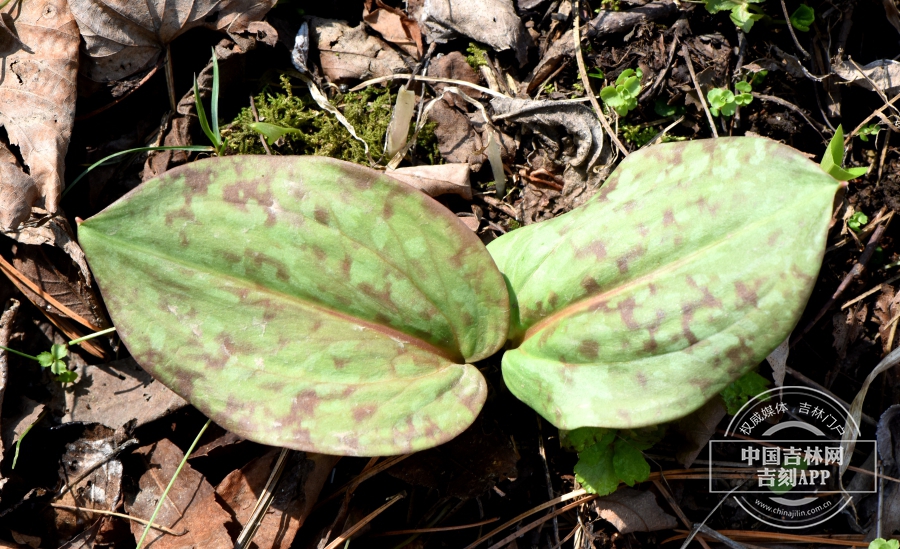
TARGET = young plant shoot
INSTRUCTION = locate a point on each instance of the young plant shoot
(363, 304)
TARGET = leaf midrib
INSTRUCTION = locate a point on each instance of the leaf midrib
(388, 332)
(583, 304)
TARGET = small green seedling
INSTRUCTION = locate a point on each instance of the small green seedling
(743, 12)
(211, 126)
(742, 389)
(834, 157)
(881, 543)
(867, 130)
(722, 100)
(272, 132)
(55, 358)
(212, 132)
(607, 457)
(757, 78)
(622, 97)
(802, 18)
(623, 337)
(857, 221)
(597, 73)
(665, 110)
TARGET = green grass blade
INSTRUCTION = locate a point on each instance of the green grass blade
(214, 103)
(165, 493)
(189, 148)
(201, 114)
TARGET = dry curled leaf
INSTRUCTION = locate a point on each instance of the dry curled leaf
(395, 27)
(295, 494)
(190, 505)
(37, 103)
(349, 53)
(437, 180)
(883, 73)
(121, 393)
(887, 308)
(631, 510)
(123, 37)
(95, 476)
(17, 193)
(491, 22)
(546, 117)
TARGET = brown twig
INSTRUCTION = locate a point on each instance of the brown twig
(851, 540)
(677, 508)
(790, 27)
(119, 515)
(434, 530)
(527, 528)
(264, 501)
(854, 273)
(576, 33)
(366, 520)
(690, 65)
(262, 138)
(121, 98)
(884, 150)
(789, 105)
(550, 493)
(363, 476)
(533, 510)
(170, 80)
(13, 274)
(869, 118)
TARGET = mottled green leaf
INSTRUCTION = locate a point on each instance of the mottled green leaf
(303, 302)
(692, 263)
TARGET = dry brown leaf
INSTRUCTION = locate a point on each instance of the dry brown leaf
(216, 441)
(53, 272)
(778, 361)
(438, 179)
(884, 74)
(13, 427)
(631, 510)
(349, 53)
(491, 22)
(886, 308)
(191, 504)
(91, 455)
(457, 139)
(25, 539)
(123, 37)
(454, 67)
(37, 103)
(17, 193)
(6, 323)
(696, 430)
(120, 393)
(848, 326)
(297, 491)
(545, 118)
(394, 26)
